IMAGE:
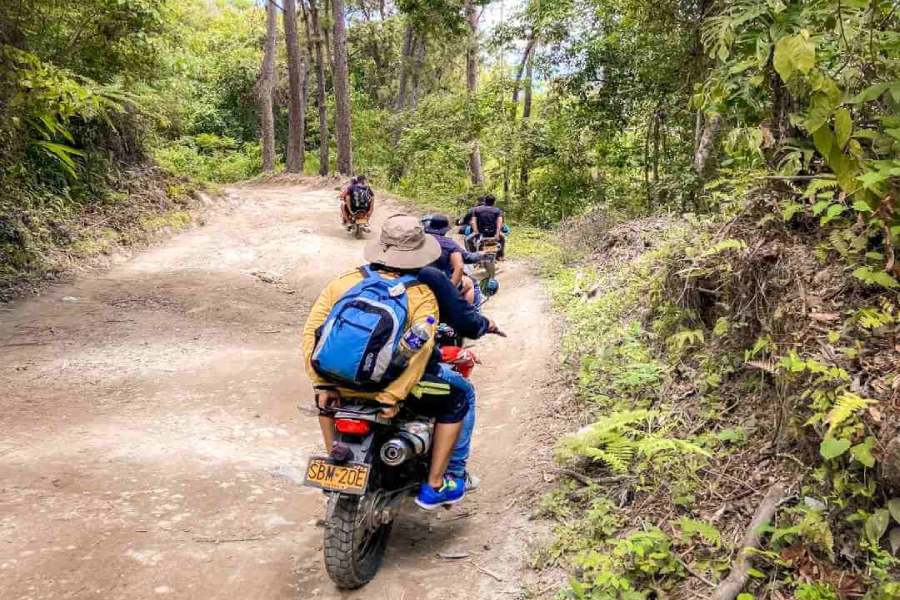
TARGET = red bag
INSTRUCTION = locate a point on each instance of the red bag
(460, 359)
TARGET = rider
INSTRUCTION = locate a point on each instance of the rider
(453, 256)
(487, 221)
(357, 197)
(464, 227)
(427, 386)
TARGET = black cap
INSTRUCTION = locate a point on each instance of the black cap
(437, 224)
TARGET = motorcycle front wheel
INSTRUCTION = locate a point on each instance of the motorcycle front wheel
(355, 540)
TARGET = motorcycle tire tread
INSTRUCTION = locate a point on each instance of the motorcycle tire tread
(340, 561)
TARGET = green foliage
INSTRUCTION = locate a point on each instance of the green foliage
(692, 528)
(815, 591)
(835, 64)
(628, 568)
(207, 157)
(617, 440)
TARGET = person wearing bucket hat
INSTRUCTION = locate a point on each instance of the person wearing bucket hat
(403, 252)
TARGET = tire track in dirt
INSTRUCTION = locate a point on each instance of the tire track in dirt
(152, 446)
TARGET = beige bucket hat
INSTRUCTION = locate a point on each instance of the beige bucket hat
(403, 244)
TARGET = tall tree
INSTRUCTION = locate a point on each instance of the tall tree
(405, 64)
(315, 43)
(341, 78)
(265, 88)
(296, 85)
(525, 62)
(475, 168)
(526, 116)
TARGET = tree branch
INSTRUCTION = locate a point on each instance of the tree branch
(731, 586)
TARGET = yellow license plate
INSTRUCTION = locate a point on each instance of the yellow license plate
(489, 246)
(350, 478)
(362, 220)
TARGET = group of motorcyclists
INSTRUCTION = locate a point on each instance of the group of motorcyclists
(417, 259)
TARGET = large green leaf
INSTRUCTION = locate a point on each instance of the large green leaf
(876, 525)
(862, 452)
(794, 53)
(824, 140)
(62, 153)
(833, 447)
(870, 93)
(843, 127)
(894, 508)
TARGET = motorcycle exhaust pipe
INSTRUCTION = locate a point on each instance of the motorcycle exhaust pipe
(413, 439)
(395, 452)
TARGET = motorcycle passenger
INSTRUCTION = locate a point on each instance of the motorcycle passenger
(487, 221)
(453, 256)
(357, 197)
(464, 221)
(426, 385)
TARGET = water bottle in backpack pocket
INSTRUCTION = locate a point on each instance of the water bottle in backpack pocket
(411, 342)
(362, 334)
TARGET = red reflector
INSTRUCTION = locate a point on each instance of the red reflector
(352, 426)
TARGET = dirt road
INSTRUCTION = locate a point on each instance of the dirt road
(151, 444)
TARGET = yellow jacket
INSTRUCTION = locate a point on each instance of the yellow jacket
(421, 303)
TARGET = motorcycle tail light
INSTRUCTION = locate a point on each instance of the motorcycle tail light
(352, 426)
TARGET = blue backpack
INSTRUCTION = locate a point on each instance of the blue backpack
(355, 344)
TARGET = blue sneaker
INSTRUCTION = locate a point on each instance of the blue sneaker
(452, 491)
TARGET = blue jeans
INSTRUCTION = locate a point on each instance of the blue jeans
(460, 455)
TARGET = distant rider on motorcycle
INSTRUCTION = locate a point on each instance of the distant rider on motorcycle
(487, 222)
(426, 385)
(357, 197)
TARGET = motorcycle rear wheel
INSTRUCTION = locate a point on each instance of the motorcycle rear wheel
(354, 547)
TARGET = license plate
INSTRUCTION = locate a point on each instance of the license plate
(362, 220)
(349, 478)
(489, 247)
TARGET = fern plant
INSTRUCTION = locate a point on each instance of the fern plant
(618, 439)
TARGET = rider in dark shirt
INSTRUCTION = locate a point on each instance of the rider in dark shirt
(453, 256)
(487, 221)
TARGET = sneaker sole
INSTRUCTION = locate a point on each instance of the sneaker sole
(424, 506)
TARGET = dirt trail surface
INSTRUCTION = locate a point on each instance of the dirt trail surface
(151, 444)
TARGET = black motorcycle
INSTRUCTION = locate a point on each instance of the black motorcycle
(374, 464)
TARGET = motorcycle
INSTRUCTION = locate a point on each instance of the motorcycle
(359, 224)
(374, 465)
(487, 249)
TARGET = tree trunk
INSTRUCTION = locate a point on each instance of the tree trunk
(314, 31)
(529, 71)
(525, 63)
(264, 90)
(296, 83)
(418, 61)
(706, 144)
(326, 32)
(341, 91)
(405, 59)
(656, 123)
(525, 167)
(475, 169)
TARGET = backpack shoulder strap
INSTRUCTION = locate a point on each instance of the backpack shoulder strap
(409, 281)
